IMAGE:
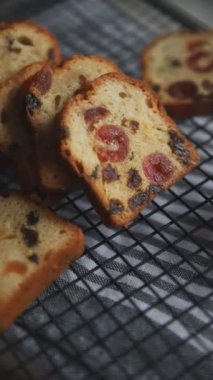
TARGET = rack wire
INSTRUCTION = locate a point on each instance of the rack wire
(139, 303)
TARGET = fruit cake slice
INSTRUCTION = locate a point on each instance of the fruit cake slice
(23, 43)
(179, 66)
(45, 97)
(15, 140)
(118, 138)
(35, 247)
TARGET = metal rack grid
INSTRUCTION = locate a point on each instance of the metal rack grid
(139, 303)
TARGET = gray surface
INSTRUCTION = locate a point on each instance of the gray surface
(201, 11)
(138, 304)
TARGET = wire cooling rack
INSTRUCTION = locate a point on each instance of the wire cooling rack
(139, 303)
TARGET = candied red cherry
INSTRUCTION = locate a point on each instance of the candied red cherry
(157, 167)
(111, 143)
(201, 61)
(182, 89)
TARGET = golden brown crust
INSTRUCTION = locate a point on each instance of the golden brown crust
(177, 108)
(56, 261)
(95, 192)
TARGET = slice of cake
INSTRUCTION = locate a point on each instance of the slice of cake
(36, 246)
(179, 67)
(23, 43)
(118, 138)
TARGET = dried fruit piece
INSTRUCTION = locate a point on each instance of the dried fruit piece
(43, 80)
(112, 143)
(32, 102)
(134, 125)
(157, 167)
(175, 63)
(182, 89)
(30, 236)
(137, 200)
(196, 45)
(57, 101)
(109, 173)
(15, 266)
(201, 61)
(93, 115)
(134, 179)
(177, 146)
(116, 206)
(32, 218)
(95, 173)
(33, 258)
(155, 188)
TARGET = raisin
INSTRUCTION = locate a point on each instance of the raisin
(32, 218)
(155, 188)
(134, 178)
(176, 144)
(57, 101)
(51, 54)
(122, 95)
(137, 200)
(131, 156)
(30, 236)
(134, 125)
(109, 174)
(15, 266)
(115, 207)
(43, 80)
(175, 63)
(33, 258)
(32, 102)
(95, 173)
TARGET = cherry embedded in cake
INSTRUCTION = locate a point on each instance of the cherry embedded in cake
(125, 148)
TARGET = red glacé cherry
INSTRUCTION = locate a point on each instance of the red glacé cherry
(182, 89)
(111, 143)
(157, 167)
